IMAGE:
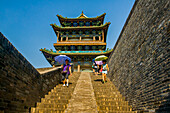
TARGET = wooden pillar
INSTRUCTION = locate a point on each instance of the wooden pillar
(58, 36)
(67, 38)
(78, 68)
(80, 38)
(102, 35)
(94, 38)
(61, 39)
(100, 38)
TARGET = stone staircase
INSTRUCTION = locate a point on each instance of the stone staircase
(58, 98)
(85, 94)
(108, 98)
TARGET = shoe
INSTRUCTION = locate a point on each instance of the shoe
(64, 85)
(102, 81)
(67, 85)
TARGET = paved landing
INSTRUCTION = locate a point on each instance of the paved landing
(83, 99)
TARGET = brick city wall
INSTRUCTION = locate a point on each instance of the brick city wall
(21, 85)
(139, 64)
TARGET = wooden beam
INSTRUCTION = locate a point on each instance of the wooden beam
(72, 43)
(78, 54)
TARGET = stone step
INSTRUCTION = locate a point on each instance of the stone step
(107, 83)
(103, 87)
(99, 81)
(58, 97)
(64, 89)
(112, 103)
(107, 95)
(46, 110)
(110, 98)
(58, 106)
(105, 90)
(111, 111)
(59, 93)
(61, 87)
(104, 93)
(115, 108)
(107, 87)
(46, 100)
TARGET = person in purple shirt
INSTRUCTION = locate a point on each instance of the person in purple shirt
(66, 72)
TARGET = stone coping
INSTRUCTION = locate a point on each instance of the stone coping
(49, 70)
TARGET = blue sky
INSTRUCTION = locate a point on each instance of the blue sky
(26, 23)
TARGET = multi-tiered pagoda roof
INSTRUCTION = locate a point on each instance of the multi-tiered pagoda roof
(82, 38)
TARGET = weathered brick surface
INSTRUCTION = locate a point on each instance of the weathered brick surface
(139, 63)
(21, 85)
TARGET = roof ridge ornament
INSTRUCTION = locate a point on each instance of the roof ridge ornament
(82, 15)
